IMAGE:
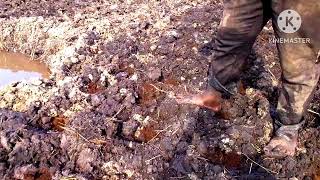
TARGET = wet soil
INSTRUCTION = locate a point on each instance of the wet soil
(16, 67)
(107, 111)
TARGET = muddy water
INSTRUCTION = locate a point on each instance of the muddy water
(17, 67)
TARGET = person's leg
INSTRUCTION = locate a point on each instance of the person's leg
(300, 75)
(241, 23)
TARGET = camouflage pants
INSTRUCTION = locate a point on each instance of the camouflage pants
(242, 22)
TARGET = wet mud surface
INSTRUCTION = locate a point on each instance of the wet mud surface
(16, 67)
(107, 111)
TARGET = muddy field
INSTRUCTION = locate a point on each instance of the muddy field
(107, 111)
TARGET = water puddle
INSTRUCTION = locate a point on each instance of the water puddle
(17, 67)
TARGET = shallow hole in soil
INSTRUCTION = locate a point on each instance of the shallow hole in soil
(171, 81)
(145, 134)
(94, 88)
(124, 67)
(39, 174)
(316, 169)
(229, 160)
(147, 93)
(59, 123)
(16, 67)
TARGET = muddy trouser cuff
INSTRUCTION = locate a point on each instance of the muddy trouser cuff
(288, 131)
(214, 83)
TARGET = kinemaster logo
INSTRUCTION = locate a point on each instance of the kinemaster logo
(289, 22)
